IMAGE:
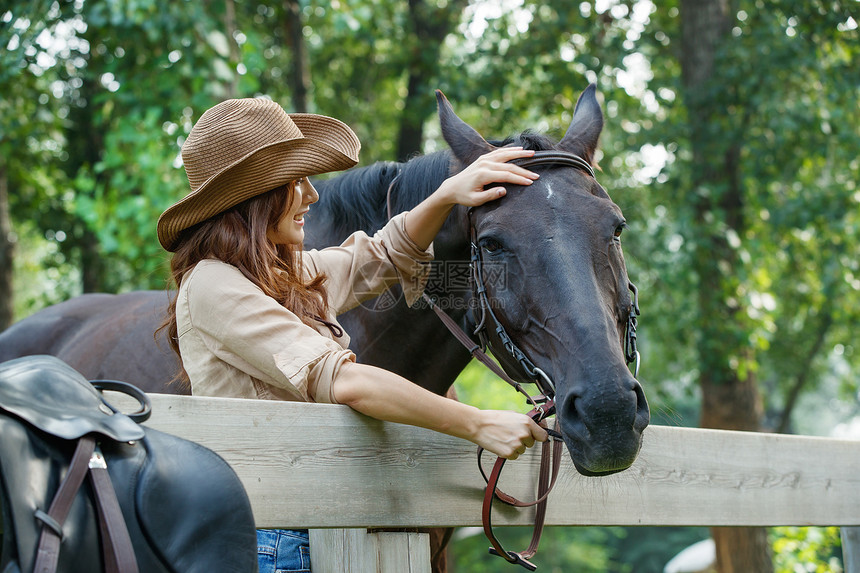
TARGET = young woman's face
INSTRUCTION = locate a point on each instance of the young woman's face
(289, 230)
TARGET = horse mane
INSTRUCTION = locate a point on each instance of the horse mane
(358, 198)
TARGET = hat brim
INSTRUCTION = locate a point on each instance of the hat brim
(326, 147)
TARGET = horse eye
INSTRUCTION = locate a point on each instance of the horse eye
(491, 245)
(619, 229)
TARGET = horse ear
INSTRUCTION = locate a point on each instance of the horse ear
(584, 131)
(466, 143)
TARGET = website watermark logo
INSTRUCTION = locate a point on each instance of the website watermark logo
(448, 282)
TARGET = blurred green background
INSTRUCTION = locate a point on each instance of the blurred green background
(731, 144)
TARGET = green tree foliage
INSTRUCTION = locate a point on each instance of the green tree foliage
(787, 69)
(107, 94)
(807, 549)
(98, 96)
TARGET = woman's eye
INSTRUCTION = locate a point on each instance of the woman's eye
(491, 245)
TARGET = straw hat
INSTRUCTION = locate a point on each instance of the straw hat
(242, 148)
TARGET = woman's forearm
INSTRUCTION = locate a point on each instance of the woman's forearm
(386, 396)
(425, 219)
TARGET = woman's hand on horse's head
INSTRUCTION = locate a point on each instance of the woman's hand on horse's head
(468, 187)
(507, 434)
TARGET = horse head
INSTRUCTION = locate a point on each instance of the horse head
(557, 284)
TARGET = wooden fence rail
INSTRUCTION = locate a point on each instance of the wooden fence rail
(338, 473)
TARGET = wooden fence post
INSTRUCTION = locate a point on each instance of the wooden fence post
(850, 549)
(367, 551)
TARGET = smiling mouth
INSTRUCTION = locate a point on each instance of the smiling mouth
(300, 218)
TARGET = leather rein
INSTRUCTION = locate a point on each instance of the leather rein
(543, 403)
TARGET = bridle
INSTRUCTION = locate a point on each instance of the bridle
(525, 368)
(506, 350)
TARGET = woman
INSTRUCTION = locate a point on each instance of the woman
(255, 316)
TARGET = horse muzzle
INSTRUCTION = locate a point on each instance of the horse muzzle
(602, 425)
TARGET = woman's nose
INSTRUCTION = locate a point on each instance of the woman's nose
(310, 193)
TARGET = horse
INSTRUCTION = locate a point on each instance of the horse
(553, 270)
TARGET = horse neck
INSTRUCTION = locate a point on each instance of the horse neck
(359, 199)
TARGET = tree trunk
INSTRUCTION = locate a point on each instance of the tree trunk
(416, 110)
(86, 146)
(430, 25)
(730, 397)
(92, 267)
(230, 27)
(7, 251)
(824, 324)
(739, 549)
(299, 75)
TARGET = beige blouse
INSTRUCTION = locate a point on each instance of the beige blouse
(236, 341)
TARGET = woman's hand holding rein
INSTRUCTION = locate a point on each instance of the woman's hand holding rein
(507, 434)
(468, 188)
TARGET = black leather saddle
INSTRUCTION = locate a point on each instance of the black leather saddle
(84, 488)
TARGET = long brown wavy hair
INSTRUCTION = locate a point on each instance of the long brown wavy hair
(238, 237)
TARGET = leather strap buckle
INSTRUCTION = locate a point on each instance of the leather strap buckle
(515, 558)
(97, 460)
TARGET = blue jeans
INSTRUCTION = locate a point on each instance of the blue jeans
(283, 551)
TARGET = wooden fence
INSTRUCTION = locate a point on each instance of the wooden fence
(338, 473)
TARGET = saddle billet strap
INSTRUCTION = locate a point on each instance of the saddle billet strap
(117, 548)
(116, 543)
(48, 550)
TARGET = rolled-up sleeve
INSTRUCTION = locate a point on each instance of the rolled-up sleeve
(363, 267)
(250, 331)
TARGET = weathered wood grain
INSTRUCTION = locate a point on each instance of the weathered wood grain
(324, 466)
(360, 551)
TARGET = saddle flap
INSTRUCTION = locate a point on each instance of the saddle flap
(54, 397)
(187, 496)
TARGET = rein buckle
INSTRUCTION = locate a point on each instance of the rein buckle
(515, 558)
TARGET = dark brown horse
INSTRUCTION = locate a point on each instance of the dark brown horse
(553, 269)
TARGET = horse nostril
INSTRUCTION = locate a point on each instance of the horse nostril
(643, 413)
(574, 418)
